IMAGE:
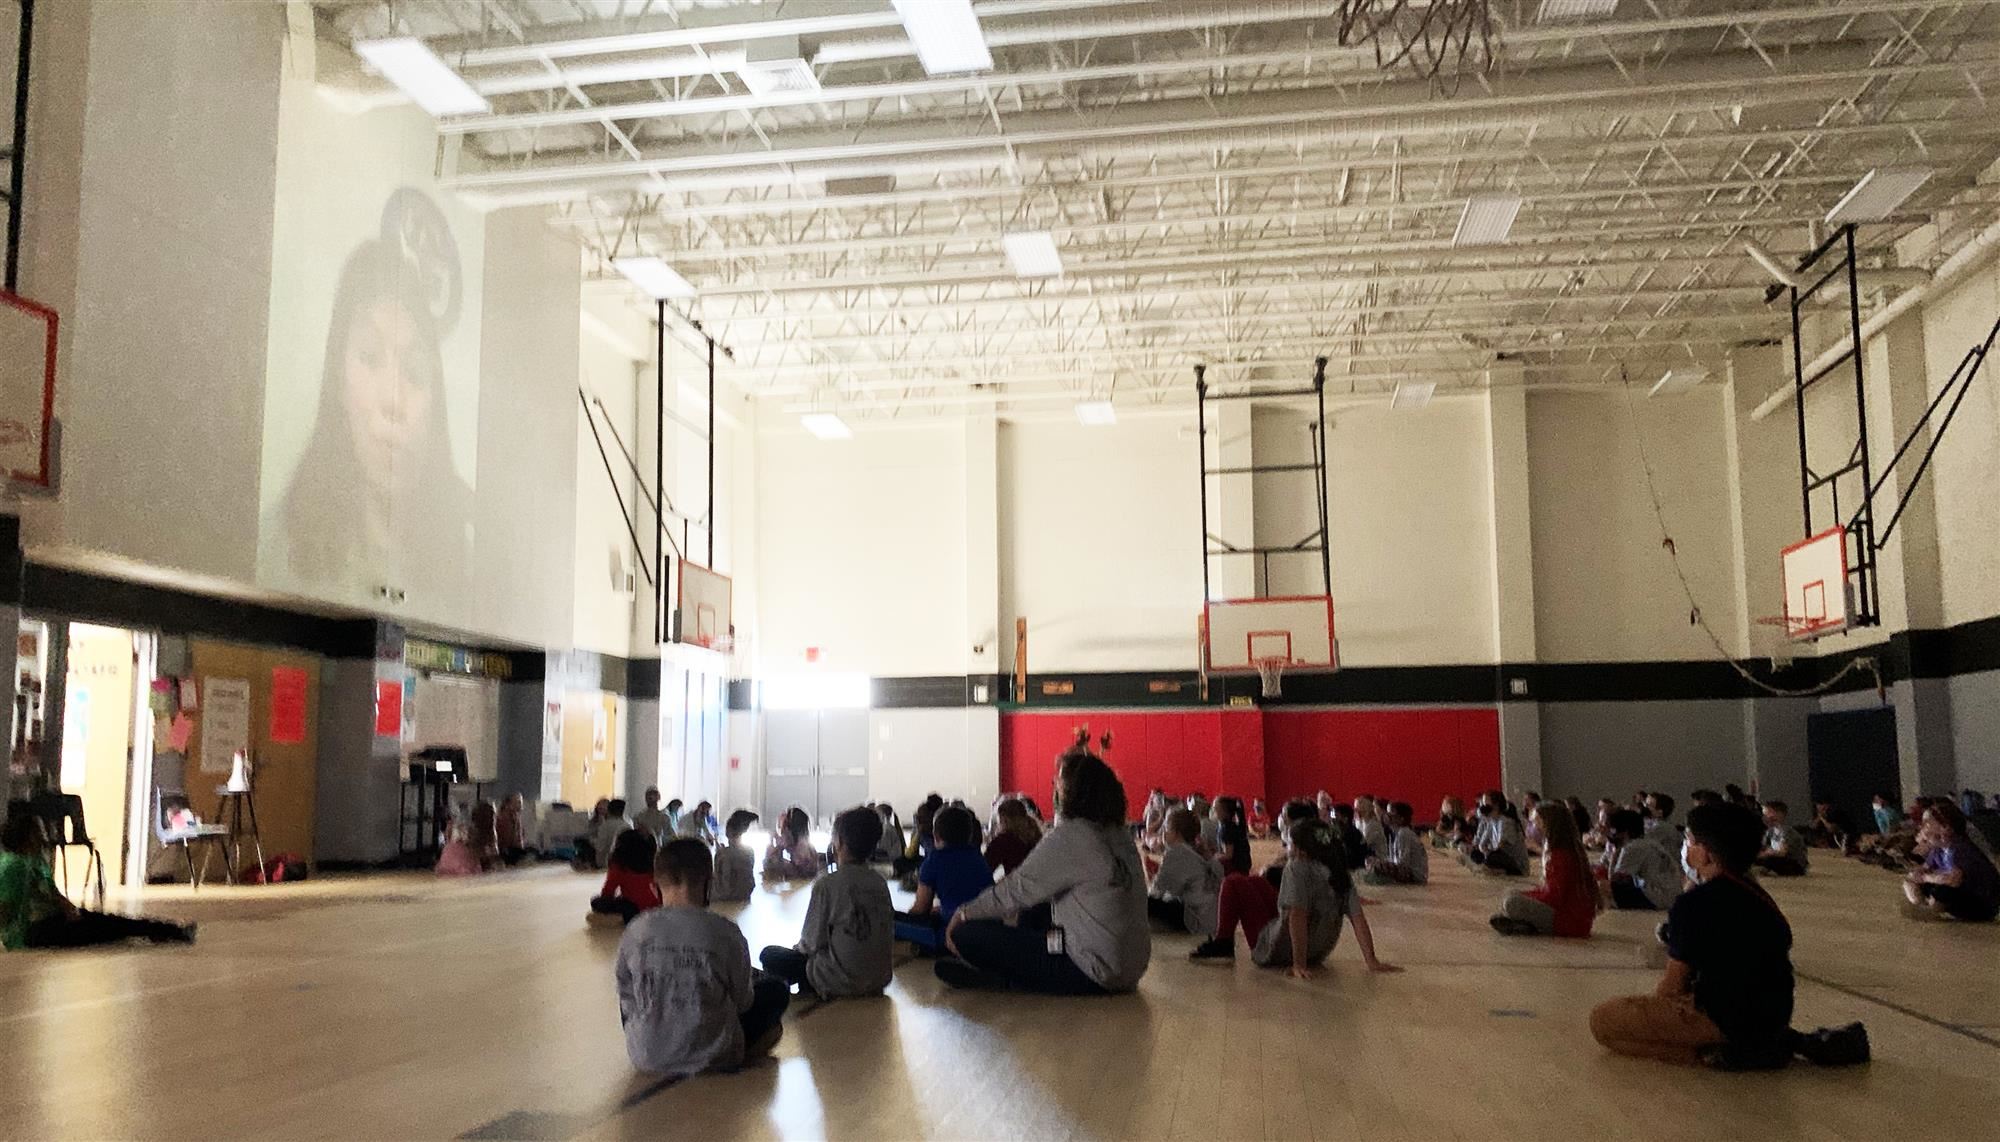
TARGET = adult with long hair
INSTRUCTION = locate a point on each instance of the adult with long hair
(1015, 835)
(1087, 870)
(1566, 904)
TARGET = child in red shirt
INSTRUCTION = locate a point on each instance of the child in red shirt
(629, 887)
(1567, 902)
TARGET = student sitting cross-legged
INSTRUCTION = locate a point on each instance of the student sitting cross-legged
(687, 996)
(735, 864)
(1727, 993)
(954, 873)
(1096, 939)
(1566, 903)
(1408, 862)
(1784, 852)
(1183, 893)
(629, 887)
(1297, 925)
(1642, 872)
(847, 944)
(1497, 843)
(1956, 878)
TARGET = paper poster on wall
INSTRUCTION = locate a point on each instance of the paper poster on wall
(179, 732)
(225, 725)
(288, 705)
(190, 695)
(600, 734)
(552, 724)
(388, 709)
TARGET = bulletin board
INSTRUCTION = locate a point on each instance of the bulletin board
(452, 709)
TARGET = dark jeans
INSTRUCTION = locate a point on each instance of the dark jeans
(1959, 903)
(787, 964)
(923, 931)
(770, 997)
(1172, 913)
(1781, 865)
(1019, 957)
(1496, 860)
(617, 905)
(88, 928)
(1626, 894)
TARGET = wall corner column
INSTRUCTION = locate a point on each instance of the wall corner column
(1513, 582)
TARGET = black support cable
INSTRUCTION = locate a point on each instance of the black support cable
(18, 164)
(624, 513)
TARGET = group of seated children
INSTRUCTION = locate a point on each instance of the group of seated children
(629, 887)
(1496, 842)
(1567, 902)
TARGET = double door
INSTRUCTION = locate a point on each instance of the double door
(815, 759)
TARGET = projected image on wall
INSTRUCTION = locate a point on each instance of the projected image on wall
(374, 497)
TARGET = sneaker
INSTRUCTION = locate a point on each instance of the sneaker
(1214, 950)
(763, 1044)
(1834, 1046)
(959, 974)
(186, 934)
(604, 920)
(1919, 912)
(1508, 926)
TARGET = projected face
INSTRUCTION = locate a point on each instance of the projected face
(387, 382)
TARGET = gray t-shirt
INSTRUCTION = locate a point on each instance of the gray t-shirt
(1306, 884)
(735, 873)
(1784, 839)
(849, 933)
(1185, 876)
(1375, 837)
(1091, 877)
(1407, 851)
(683, 984)
(1655, 870)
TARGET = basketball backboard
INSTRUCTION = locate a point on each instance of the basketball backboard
(27, 391)
(1238, 634)
(704, 602)
(1815, 575)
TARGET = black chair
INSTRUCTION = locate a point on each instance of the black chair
(167, 802)
(62, 824)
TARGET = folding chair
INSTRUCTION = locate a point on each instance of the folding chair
(167, 802)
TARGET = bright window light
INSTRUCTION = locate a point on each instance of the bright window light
(1096, 412)
(1877, 195)
(826, 426)
(1033, 254)
(657, 278)
(417, 71)
(1413, 394)
(816, 692)
(1574, 9)
(1487, 219)
(946, 35)
(756, 839)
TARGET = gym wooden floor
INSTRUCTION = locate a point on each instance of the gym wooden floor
(399, 1006)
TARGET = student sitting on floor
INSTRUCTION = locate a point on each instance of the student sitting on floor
(791, 855)
(1096, 938)
(1297, 925)
(687, 996)
(1729, 969)
(1153, 822)
(1408, 862)
(1497, 845)
(1596, 838)
(1182, 895)
(891, 845)
(1374, 837)
(847, 943)
(735, 865)
(1660, 815)
(1451, 812)
(1784, 851)
(1260, 819)
(652, 818)
(905, 867)
(1887, 816)
(1347, 831)
(695, 824)
(510, 832)
(1566, 903)
(34, 915)
(1831, 828)
(1643, 873)
(629, 888)
(1957, 879)
(954, 873)
(1015, 835)
(1232, 835)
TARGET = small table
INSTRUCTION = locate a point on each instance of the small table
(230, 805)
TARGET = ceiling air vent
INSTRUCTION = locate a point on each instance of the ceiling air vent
(775, 67)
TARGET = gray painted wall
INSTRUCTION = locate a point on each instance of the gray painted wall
(1778, 732)
(642, 746)
(1975, 719)
(1609, 749)
(520, 769)
(357, 779)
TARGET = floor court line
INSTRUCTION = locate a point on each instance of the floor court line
(1959, 1029)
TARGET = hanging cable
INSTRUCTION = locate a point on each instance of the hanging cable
(1864, 664)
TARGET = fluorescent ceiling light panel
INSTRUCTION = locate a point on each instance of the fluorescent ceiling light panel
(1487, 219)
(658, 279)
(1678, 380)
(946, 35)
(1877, 195)
(826, 426)
(1096, 412)
(1413, 394)
(1552, 10)
(417, 71)
(1033, 253)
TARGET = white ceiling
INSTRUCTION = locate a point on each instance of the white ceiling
(1229, 185)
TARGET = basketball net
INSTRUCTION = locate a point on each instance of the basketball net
(1271, 671)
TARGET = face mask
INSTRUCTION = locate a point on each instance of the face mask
(1687, 868)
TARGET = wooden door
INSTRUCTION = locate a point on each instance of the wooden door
(97, 744)
(589, 747)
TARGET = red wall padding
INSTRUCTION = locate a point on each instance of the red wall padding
(1417, 755)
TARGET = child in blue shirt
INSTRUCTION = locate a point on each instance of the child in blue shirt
(954, 873)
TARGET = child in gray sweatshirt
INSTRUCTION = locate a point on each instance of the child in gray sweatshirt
(849, 936)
